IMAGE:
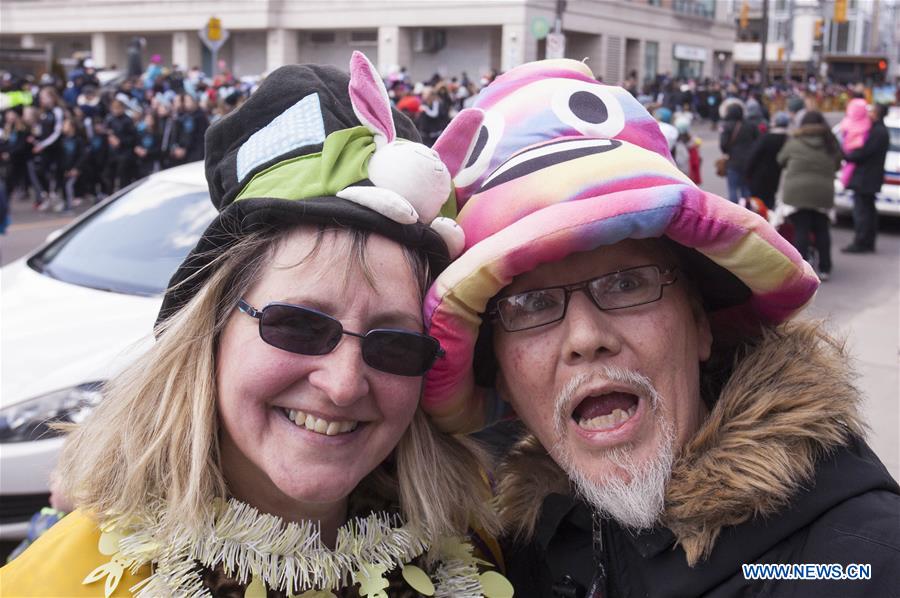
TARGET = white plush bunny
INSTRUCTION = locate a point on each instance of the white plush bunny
(411, 182)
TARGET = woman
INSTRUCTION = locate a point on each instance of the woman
(810, 158)
(270, 443)
(47, 148)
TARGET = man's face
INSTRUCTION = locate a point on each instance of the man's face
(613, 395)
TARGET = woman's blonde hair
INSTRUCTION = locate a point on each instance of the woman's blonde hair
(153, 440)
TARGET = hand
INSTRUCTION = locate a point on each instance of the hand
(4, 156)
(179, 153)
(73, 173)
(140, 151)
(37, 150)
(113, 141)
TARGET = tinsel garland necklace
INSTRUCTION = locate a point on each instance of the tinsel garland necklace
(263, 550)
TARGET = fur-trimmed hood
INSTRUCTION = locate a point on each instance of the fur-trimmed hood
(790, 399)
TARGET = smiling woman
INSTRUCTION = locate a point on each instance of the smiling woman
(271, 442)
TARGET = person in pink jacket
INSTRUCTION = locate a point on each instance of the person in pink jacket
(854, 131)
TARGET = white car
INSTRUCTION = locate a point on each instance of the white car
(887, 201)
(75, 312)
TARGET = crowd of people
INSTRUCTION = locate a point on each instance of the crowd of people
(70, 140)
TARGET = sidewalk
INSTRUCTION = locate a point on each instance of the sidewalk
(23, 216)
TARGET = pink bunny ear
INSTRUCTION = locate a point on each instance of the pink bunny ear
(370, 99)
(455, 143)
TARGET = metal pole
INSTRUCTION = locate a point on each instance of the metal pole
(789, 45)
(560, 9)
(763, 65)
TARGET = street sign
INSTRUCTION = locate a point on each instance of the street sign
(556, 45)
(213, 35)
(540, 27)
(214, 29)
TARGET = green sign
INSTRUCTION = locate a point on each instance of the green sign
(540, 27)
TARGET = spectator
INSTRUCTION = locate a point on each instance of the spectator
(736, 141)
(148, 146)
(763, 170)
(854, 129)
(74, 158)
(122, 137)
(47, 148)
(687, 149)
(867, 179)
(810, 158)
(192, 125)
(15, 152)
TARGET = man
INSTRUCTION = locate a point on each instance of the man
(866, 181)
(680, 426)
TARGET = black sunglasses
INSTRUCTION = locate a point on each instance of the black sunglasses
(307, 331)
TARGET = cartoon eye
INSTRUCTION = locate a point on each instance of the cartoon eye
(479, 158)
(589, 108)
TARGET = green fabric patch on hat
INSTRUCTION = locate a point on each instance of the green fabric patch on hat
(343, 161)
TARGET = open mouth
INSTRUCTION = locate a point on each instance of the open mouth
(317, 424)
(606, 411)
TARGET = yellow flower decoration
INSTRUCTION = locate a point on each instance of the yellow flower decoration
(495, 585)
(461, 550)
(418, 580)
(256, 588)
(371, 581)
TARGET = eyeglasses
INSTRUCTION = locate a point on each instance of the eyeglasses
(617, 290)
(306, 331)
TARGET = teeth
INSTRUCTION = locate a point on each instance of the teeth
(320, 426)
(608, 421)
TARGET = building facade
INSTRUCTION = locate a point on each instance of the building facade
(616, 37)
(803, 35)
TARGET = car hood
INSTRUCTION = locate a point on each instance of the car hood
(57, 335)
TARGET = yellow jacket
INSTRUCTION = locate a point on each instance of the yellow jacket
(59, 561)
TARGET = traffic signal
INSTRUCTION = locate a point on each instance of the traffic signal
(820, 25)
(745, 14)
(214, 29)
(882, 65)
(840, 11)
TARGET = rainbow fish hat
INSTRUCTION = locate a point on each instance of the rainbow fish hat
(562, 164)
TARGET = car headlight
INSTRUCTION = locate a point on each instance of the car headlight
(31, 419)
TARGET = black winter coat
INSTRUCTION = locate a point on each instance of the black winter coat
(763, 171)
(738, 150)
(777, 474)
(869, 174)
(849, 516)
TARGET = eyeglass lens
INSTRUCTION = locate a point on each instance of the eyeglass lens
(617, 290)
(308, 332)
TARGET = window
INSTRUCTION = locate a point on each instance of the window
(365, 37)
(322, 37)
(133, 244)
(651, 60)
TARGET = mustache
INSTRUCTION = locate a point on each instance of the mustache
(572, 392)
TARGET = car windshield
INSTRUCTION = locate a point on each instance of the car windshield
(895, 138)
(132, 244)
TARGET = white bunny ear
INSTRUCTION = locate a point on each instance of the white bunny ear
(384, 201)
(369, 99)
(452, 234)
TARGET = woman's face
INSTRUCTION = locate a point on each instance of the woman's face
(270, 461)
